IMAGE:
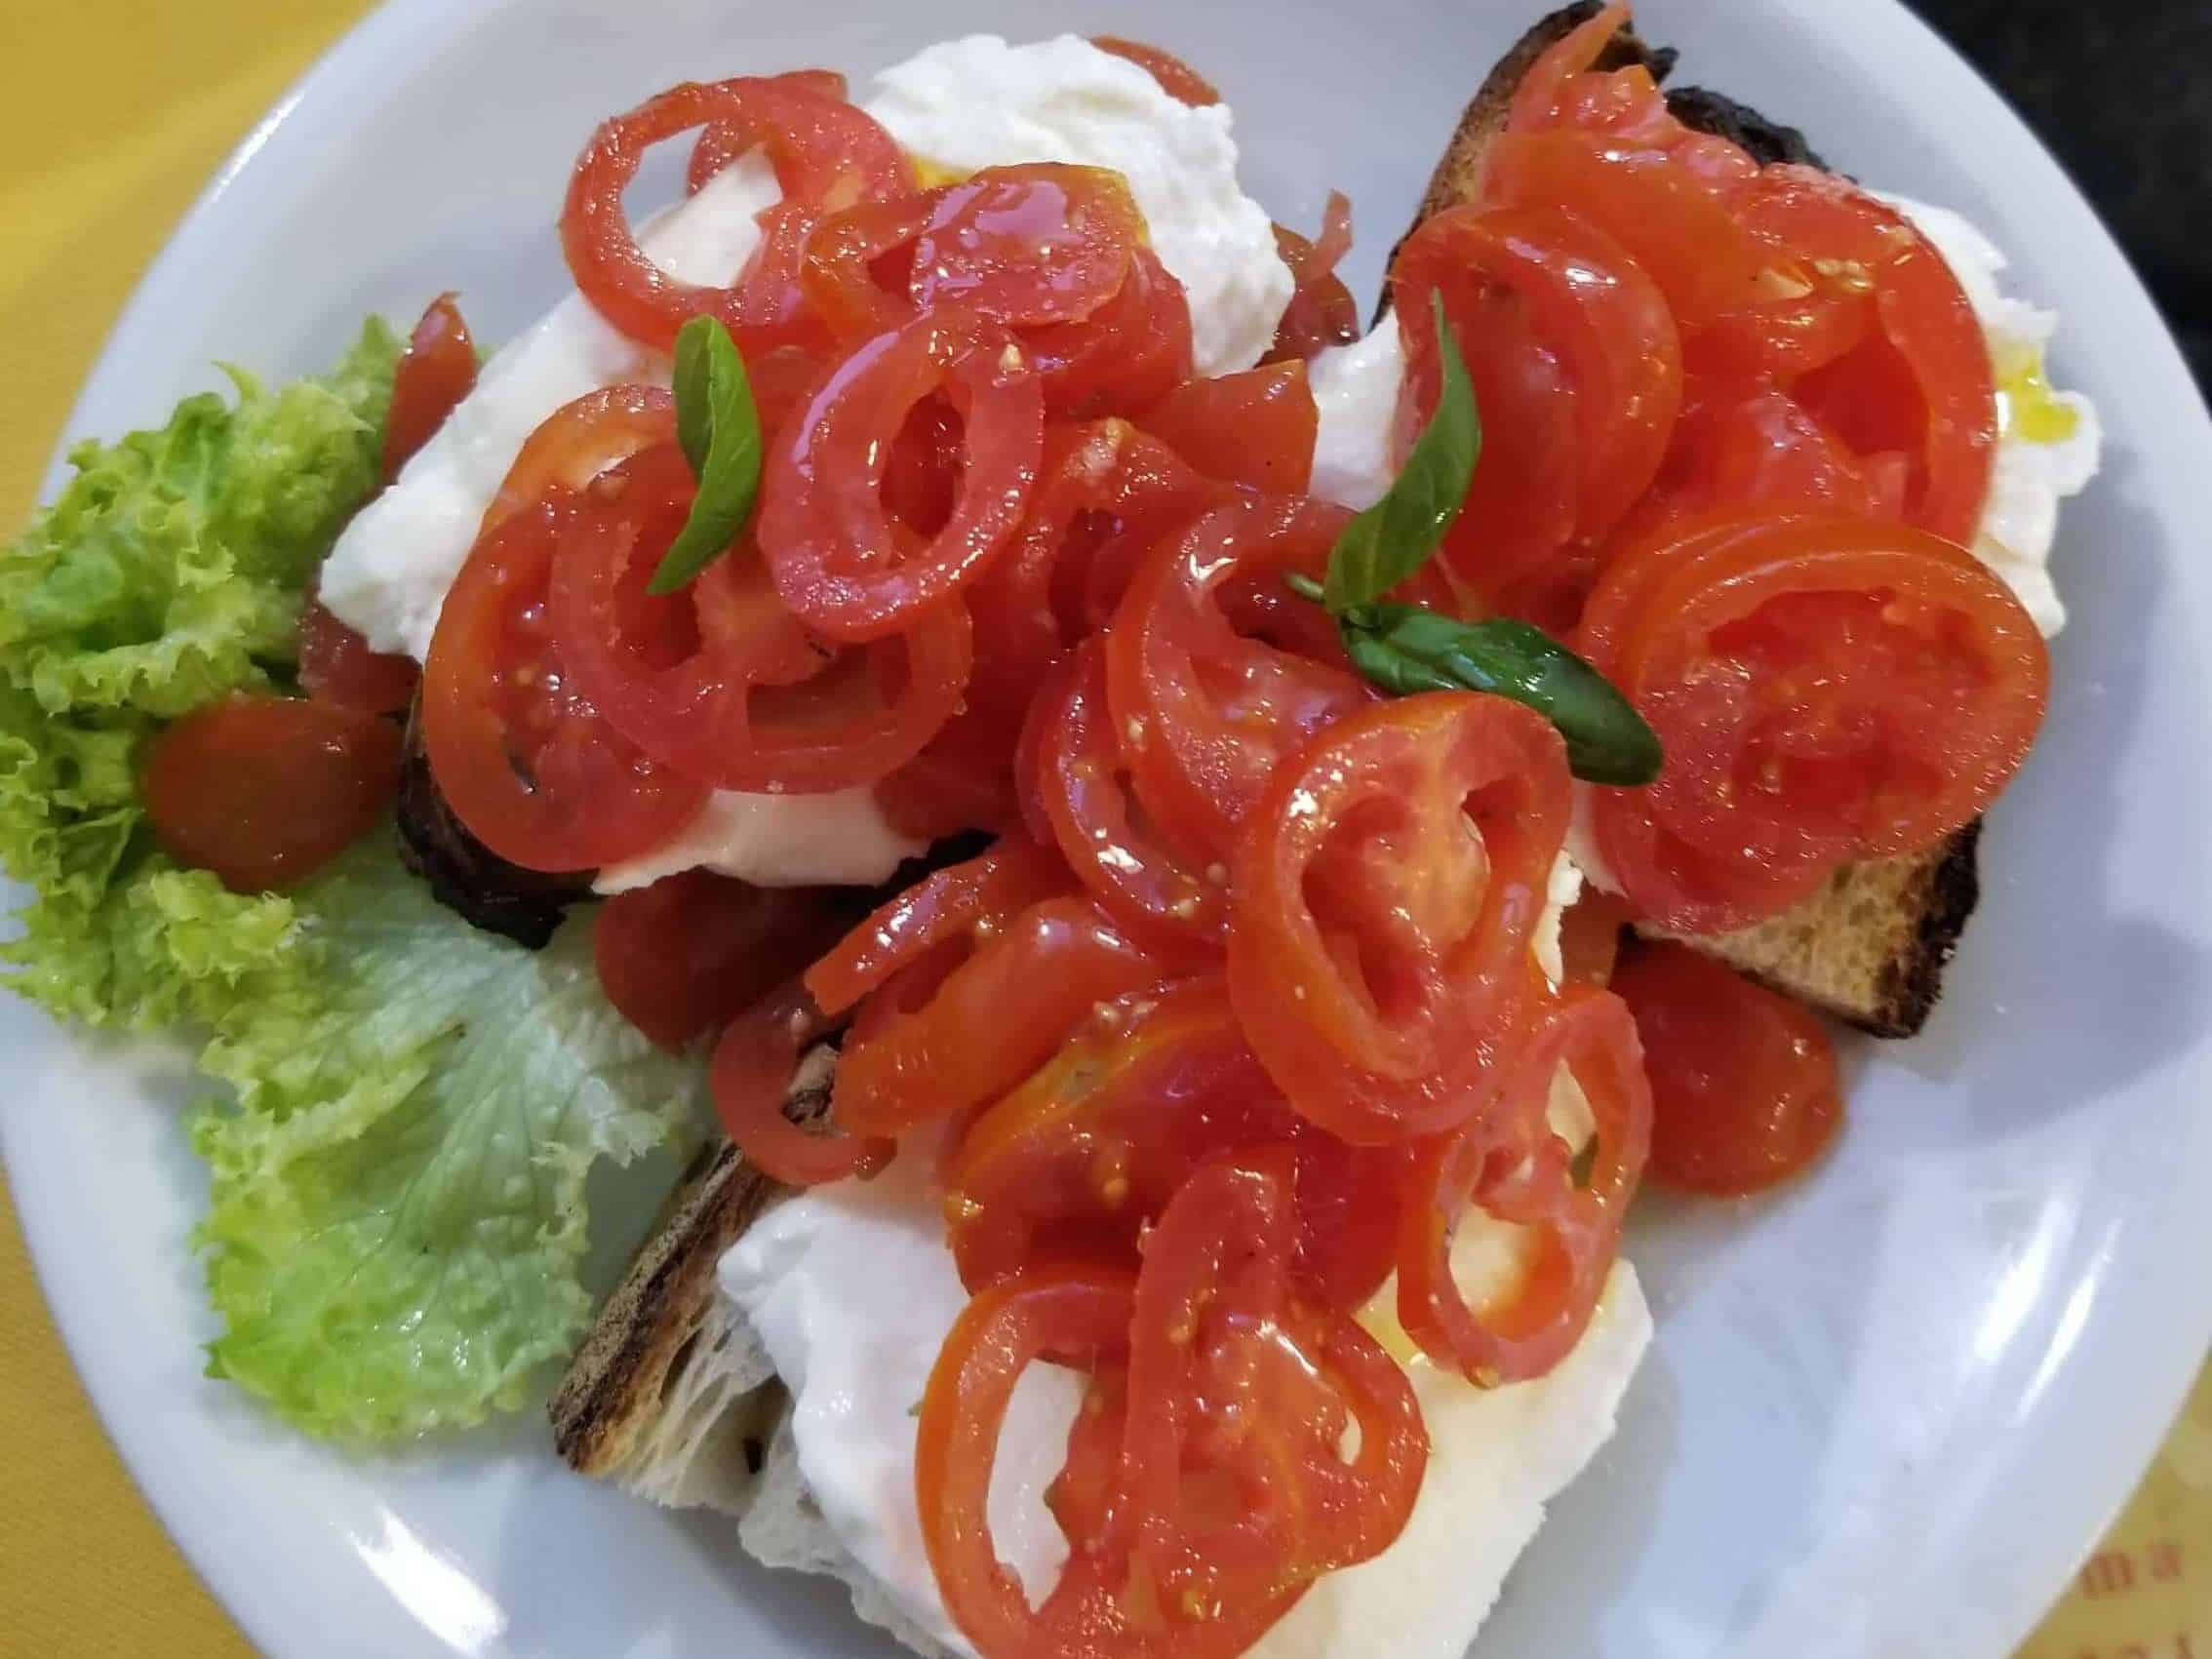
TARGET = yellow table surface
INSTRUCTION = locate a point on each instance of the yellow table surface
(112, 112)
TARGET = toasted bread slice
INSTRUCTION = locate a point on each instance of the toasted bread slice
(1869, 948)
(668, 1377)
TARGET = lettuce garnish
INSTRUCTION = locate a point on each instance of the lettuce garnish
(408, 1108)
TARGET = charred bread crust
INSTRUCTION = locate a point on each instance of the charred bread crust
(1716, 113)
(613, 1387)
(1869, 948)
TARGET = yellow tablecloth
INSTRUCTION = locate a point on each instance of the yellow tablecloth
(111, 114)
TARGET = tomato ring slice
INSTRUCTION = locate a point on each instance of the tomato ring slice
(1079, 786)
(580, 440)
(1511, 1164)
(718, 681)
(1385, 890)
(526, 760)
(751, 1075)
(823, 150)
(842, 563)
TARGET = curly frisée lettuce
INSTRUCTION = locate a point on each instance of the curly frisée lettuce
(168, 572)
(410, 1108)
(398, 1216)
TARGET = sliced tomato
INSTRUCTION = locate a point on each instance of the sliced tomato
(1126, 355)
(827, 154)
(336, 666)
(1255, 428)
(580, 440)
(1683, 234)
(1743, 1082)
(682, 957)
(1031, 984)
(809, 155)
(1203, 714)
(1384, 891)
(1231, 1379)
(840, 561)
(435, 373)
(1177, 78)
(522, 755)
(1092, 1147)
(1512, 1163)
(1588, 306)
(755, 1064)
(1541, 94)
(1825, 687)
(972, 898)
(1322, 312)
(1920, 381)
(718, 681)
(264, 791)
(1079, 781)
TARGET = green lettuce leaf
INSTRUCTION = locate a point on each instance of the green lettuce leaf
(168, 572)
(397, 1219)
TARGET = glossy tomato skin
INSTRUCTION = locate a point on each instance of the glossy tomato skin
(1744, 1083)
(1255, 428)
(1177, 78)
(1380, 909)
(336, 666)
(1826, 689)
(1322, 312)
(264, 791)
(435, 373)
(524, 759)
(683, 957)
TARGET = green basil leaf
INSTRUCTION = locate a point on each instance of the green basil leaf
(720, 431)
(1394, 538)
(1406, 649)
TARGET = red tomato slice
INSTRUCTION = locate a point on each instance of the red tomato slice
(1840, 688)
(1322, 312)
(838, 560)
(1384, 891)
(1509, 1163)
(1587, 302)
(1743, 1082)
(1921, 384)
(826, 153)
(336, 666)
(718, 681)
(1030, 984)
(435, 373)
(1538, 100)
(1092, 1147)
(809, 155)
(1227, 1369)
(1073, 761)
(975, 897)
(580, 440)
(1033, 244)
(1682, 233)
(1256, 428)
(1177, 78)
(524, 759)
(754, 1065)
(264, 791)
(1203, 715)
(1126, 355)
(682, 957)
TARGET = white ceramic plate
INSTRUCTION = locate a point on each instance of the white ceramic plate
(1886, 1412)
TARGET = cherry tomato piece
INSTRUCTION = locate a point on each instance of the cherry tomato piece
(522, 755)
(1177, 78)
(755, 1064)
(683, 957)
(1255, 428)
(1744, 1086)
(336, 666)
(264, 791)
(435, 373)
